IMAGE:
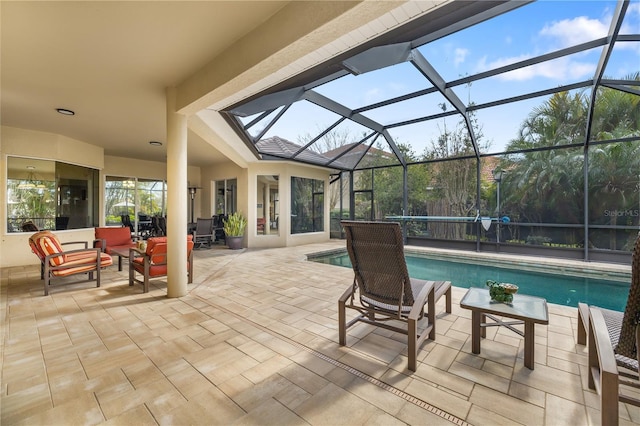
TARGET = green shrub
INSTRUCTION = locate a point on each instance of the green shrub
(234, 225)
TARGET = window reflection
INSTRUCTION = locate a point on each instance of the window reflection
(268, 208)
(51, 195)
(307, 205)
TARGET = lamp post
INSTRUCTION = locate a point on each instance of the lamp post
(497, 176)
(192, 193)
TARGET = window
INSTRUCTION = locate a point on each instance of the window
(267, 211)
(226, 196)
(136, 198)
(307, 205)
(51, 194)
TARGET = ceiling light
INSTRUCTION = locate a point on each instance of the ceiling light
(64, 111)
(155, 143)
(32, 181)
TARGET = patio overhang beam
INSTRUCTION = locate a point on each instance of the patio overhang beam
(317, 138)
(273, 156)
(355, 145)
(337, 108)
(421, 63)
(340, 109)
(377, 58)
(396, 99)
(373, 140)
(394, 148)
(422, 119)
(528, 62)
(237, 126)
(268, 102)
(256, 120)
(621, 88)
(532, 95)
(614, 29)
(270, 124)
(497, 9)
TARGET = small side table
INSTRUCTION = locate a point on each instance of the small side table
(120, 252)
(527, 310)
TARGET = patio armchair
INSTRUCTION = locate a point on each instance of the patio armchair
(261, 225)
(204, 233)
(613, 346)
(110, 238)
(382, 292)
(56, 262)
(218, 227)
(152, 262)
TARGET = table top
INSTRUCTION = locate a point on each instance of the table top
(124, 252)
(523, 307)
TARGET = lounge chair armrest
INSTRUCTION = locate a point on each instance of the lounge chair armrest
(427, 294)
(85, 243)
(134, 251)
(602, 360)
(47, 259)
(103, 243)
(347, 294)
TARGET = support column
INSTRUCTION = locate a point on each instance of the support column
(176, 198)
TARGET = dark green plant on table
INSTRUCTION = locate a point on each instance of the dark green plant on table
(501, 292)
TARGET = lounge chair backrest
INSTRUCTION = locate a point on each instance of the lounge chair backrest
(44, 243)
(376, 250)
(157, 249)
(627, 343)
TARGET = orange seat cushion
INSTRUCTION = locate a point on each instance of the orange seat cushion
(157, 252)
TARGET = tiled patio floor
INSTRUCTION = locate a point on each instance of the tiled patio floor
(255, 342)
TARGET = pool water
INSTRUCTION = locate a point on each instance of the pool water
(559, 289)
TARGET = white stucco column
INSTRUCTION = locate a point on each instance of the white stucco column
(176, 198)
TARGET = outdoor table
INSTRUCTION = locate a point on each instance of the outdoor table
(527, 310)
(120, 252)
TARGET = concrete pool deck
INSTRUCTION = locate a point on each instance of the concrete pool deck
(255, 342)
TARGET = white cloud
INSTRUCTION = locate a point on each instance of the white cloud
(560, 69)
(460, 55)
(372, 95)
(570, 32)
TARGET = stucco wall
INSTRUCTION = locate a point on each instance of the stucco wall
(14, 250)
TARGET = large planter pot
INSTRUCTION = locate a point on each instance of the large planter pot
(234, 243)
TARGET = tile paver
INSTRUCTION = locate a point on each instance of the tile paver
(255, 342)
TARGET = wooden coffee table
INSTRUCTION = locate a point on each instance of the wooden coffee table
(121, 253)
(527, 310)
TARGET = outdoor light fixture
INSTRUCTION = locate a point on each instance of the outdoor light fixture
(65, 111)
(497, 174)
(31, 178)
(155, 143)
(192, 192)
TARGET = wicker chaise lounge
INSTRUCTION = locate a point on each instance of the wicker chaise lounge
(382, 292)
(613, 349)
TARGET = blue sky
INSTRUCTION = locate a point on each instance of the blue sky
(526, 32)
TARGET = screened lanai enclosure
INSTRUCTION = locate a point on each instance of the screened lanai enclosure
(503, 126)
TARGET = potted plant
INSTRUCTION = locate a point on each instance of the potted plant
(234, 226)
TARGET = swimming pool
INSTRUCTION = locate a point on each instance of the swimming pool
(565, 290)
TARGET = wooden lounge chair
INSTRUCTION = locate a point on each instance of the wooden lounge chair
(613, 349)
(382, 292)
(56, 262)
